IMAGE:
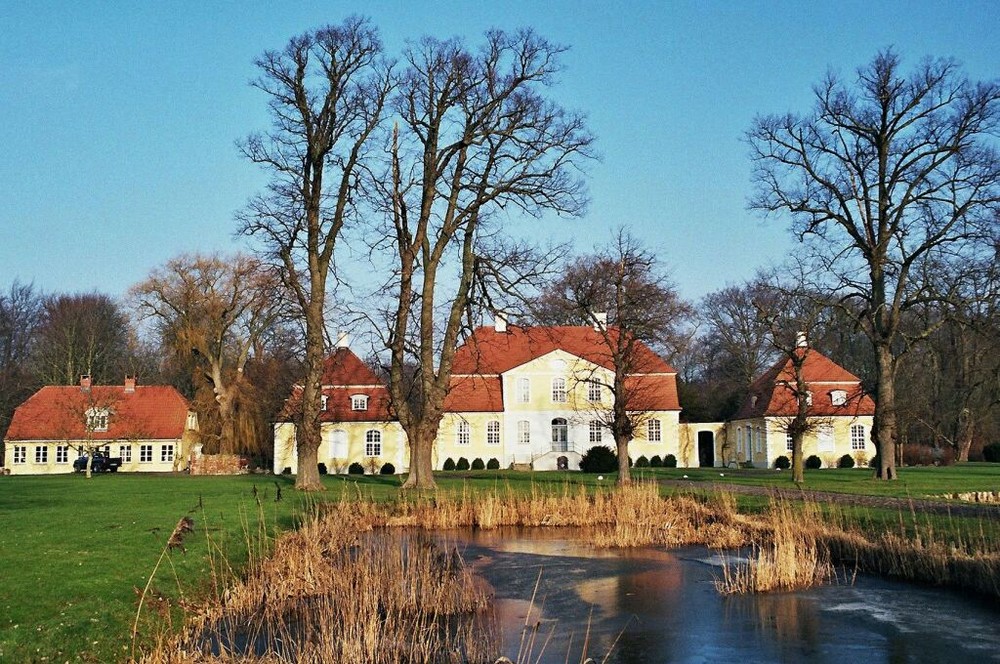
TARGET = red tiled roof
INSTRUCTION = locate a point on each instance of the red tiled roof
(490, 352)
(151, 412)
(775, 396)
(651, 393)
(345, 376)
(474, 394)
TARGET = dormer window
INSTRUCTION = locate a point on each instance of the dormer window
(809, 398)
(97, 419)
(323, 400)
(359, 402)
(838, 397)
(753, 401)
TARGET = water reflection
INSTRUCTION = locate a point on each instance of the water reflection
(650, 606)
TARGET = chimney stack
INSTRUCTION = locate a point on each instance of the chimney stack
(85, 382)
(343, 340)
(601, 321)
(500, 322)
(129, 384)
(801, 341)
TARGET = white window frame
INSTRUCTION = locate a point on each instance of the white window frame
(324, 401)
(146, 453)
(559, 390)
(125, 452)
(524, 432)
(463, 433)
(654, 431)
(359, 402)
(789, 442)
(373, 443)
(20, 454)
(41, 453)
(595, 392)
(339, 446)
(838, 397)
(98, 419)
(62, 453)
(493, 432)
(524, 390)
(825, 440)
(596, 431)
(167, 452)
(858, 440)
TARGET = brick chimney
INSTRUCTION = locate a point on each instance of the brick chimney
(85, 382)
(129, 384)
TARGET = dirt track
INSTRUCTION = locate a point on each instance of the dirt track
(921, 505)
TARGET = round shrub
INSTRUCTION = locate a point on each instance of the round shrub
(670, 461)
(846, 461)
(656, 461)
(321, 467)
(642, 462)
(493, 464)
(477, 464)
(463, 464)
(782, 463)
(599, 459)
(449, 464)
(387, 469)
(991, 453)
(814, 462)
(355, 469)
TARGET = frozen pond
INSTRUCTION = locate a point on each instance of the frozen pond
(661, 606)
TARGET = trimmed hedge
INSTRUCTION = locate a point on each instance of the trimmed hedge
(599, 459)
(656, 461)
(449, 464)
(493, 464)
(463, 464)
(991, 453)
(782, 463)
(846, 461)
(355, 469)
(387, 469)
(814, 462)
(477, 464)
(642, 462)
(670, 461)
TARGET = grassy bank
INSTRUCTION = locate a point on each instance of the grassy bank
(75, 555)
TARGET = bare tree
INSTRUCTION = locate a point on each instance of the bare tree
(326, 93)
(86, 334)
(892, 176)
(623, 292)
(476, 136)
(20, 314)
(214, 310)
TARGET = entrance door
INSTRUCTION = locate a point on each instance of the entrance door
(560, 435)
(706, 449)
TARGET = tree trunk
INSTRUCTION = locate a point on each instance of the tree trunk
(308, 432)
(965, 434)
(798, 463)
(885, 413)
(624, 472)
(421, 460)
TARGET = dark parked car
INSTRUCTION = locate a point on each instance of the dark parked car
(102, 463)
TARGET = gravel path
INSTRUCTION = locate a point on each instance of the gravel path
(922, 505)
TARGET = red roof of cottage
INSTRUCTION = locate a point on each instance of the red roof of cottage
(490, 352)
(344, 377)
(478, 363)
(151, 412)
(773, 394)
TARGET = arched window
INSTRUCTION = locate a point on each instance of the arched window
(560, 435)
(559, 390)
(595, 431)
(373, 443)
(524, 432)
(463, 434)
(493, 432)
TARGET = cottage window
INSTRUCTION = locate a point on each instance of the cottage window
(97, 419)
(594, 392)
(463, 435)
(338, 446)
(523, 390)
(145, 453)
(809, 398)
(41, 454)
(789, 442)
(166, 452)
(857, 436)
(62, 454)
(20, 454)
(373, 443)
(838, 397)
(323, 401)
(653, 433)
(359, 402)
(125, 452)
(524, 432)
(493, 432)
(559, 390)
(824, 437)
(595, 431)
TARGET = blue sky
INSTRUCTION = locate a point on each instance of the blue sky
(118, 120)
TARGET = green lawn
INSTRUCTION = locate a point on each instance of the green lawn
(73, 552)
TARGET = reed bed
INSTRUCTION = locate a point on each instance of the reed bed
(344, 588)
